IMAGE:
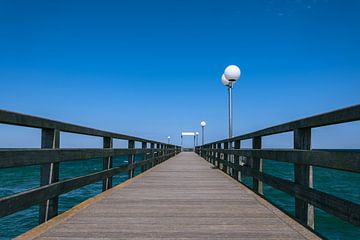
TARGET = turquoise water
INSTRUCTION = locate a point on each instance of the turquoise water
(346, 185)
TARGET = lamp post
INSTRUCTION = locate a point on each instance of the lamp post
(231, 74)
(202, 124)
(169, 139)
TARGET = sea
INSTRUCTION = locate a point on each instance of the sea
(338, 183)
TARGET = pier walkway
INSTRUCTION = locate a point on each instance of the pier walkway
(181, 198)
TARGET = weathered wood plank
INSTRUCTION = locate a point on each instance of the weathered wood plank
(182, 198)
(16, 202)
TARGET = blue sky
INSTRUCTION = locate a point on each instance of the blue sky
(153, 68)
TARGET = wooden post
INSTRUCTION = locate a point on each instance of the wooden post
(143, 146)
(237, 173)
(218, 155)
(225, 167)
(304, 177)
(152, 146)
(257, 164)
(157, 153)
(107, 163)
(49, 173)
(131, 145)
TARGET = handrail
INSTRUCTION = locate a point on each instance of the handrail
(348, 114)
(50, 155)
(238, 162)
(24, 120)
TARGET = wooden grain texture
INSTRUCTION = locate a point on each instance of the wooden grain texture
(181, 198)
(19, 119)
(348, 114)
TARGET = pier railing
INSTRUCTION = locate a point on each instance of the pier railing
(228, 155)
(50, 155)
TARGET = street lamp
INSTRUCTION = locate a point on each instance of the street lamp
(231, 74)
(197, 138)
(202, 124)
(169, 139)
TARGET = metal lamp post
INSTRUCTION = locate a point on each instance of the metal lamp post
(197, 138)
(202, 124)
(231, 74)
(169, 139)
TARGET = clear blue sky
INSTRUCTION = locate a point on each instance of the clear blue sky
(152, 68)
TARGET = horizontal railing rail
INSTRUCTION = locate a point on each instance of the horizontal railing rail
(50, 155)
(238, 162)
(344, 115)
(24, 120)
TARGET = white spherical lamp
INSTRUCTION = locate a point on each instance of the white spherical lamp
(232, 73)
(224, 80)
(203, 123)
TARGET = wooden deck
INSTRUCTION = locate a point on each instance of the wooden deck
(181, 198)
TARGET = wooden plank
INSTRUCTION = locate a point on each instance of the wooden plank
(107, 163)
(304, 177)
(168, 203)
(49, 173)
(26, 199)
(344, 209)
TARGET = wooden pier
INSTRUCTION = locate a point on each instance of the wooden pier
(178, 194)
(184, 197)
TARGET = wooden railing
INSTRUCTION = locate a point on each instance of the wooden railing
(237, 162)
(50, 155)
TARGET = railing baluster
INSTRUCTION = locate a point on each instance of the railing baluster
(131, 145)
(303, 176)
(49, 173)
(257, 164)
(107, 163)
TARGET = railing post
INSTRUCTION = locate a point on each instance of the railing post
(143, 146)
(157, 154)
(257, 164)
(213, 154)
(304, 177)
(131, 145)
(236, 172)
(49, 173)
(218, 155)
(225, 165)
(152, 146)
(107, 163)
